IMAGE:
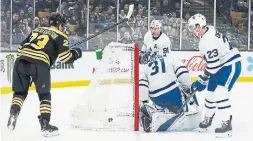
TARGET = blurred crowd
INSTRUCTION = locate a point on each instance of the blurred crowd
(29, 14)
(236, 13)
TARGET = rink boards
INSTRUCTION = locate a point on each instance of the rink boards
(79, 73)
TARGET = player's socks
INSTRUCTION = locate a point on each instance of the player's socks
(45, 109)
(225, 129)
(17, 102)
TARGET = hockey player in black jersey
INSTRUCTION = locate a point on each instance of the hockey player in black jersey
(36, 54)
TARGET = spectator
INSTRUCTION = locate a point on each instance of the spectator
(8, 18)
(4, 29)
(44, 22)
(122, 14)
(2, 15)
(36, 22)
(30, 13)
(21, 14)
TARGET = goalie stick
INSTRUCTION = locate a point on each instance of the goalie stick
(130, 11)
(177, 110)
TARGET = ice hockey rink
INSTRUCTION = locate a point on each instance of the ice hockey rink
(64, 99)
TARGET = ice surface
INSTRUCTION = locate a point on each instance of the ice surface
(28, 128)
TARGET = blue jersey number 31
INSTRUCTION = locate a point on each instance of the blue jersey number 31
(155, 67)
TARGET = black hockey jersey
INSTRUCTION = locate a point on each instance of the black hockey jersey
(44, 45)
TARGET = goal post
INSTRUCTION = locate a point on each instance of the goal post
(111, 101)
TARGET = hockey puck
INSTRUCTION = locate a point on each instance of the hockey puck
(110, 119)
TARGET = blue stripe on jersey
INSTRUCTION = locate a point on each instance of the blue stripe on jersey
(231, 59)
(208, 107)
(209, 101)
(224, 100)
(163, 88)
(225, 107)
(182, 73)
(144, 80)
(165, 126)
(214, 61)
(180, 68)
(143, 85)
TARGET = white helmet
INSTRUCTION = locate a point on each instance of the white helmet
(197, 19)
(156, 24)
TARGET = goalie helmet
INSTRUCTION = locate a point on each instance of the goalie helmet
(156, 24)
(197, 19)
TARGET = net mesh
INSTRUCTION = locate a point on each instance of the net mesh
(109, 101)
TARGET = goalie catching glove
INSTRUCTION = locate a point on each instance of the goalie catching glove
(77, 53)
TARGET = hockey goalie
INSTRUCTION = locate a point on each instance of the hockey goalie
(164, 80)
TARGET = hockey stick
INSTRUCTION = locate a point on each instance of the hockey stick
(178, 110)
(130, 11)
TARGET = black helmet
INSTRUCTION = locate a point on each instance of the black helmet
(56, 20)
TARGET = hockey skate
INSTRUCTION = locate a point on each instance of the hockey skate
(47, 129)
(207, 122)
(225, 129)
(13, 118)
(12, 122)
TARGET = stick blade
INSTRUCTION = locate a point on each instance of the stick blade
(130, 11)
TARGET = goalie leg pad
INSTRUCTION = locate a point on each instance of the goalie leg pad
(186, 121)
(162, 121)
(146, 111)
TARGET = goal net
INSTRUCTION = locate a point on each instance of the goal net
(111, 101)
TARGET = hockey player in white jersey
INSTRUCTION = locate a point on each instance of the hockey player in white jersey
(155, 38)
(161, 83)
(222, 70)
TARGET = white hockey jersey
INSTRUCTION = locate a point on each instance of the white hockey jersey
(217, 51)
(161, 42)
(159, 79)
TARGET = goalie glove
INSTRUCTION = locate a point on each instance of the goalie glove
(144, 57)
(188, 93)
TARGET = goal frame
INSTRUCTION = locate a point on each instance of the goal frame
(136, 87)
(118, 110)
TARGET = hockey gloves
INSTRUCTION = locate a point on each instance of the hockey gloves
(77, 53)
(143, 58)
(200, 84)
